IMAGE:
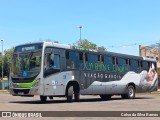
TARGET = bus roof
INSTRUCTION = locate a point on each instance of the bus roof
(69, 47)
(121, 55)
(59, 45)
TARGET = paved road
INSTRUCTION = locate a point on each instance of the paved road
(143, 102)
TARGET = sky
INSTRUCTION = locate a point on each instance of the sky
(118, 25)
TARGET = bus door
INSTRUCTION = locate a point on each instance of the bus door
(52, 78)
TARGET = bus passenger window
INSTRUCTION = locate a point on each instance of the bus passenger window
(145, 65)
(86, 57)
(108, 59)
(139, 64)
(92, 57)
(121, 61)
(67, 54)
(134, 65)
(149, 64)
(74, 57)
(81, 56)
(102, 58)
(99, 58)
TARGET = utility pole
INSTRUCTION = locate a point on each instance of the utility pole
(80, 27)
(2, 58)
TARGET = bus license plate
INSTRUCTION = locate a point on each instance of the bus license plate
(20, 93)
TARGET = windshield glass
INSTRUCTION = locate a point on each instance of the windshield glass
(26, 64)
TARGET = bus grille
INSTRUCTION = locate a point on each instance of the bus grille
(17, 91)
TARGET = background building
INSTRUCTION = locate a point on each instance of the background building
(152, 51)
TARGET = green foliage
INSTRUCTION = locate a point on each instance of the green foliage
(86, 44)
(6, 62)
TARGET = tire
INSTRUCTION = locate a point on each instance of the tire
(124, 96)
(105, 97)
(130, 93)
(43, 99)
(76, 97)
(69, 94)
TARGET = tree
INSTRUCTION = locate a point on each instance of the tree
(86, 45)
(6, 62)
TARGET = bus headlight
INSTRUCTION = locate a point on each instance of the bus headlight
(37, 82)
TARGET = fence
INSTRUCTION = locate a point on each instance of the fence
(4, 85)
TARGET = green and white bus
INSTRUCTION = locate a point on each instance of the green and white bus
(51, 69)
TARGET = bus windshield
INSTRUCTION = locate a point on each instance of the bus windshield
(26, 64)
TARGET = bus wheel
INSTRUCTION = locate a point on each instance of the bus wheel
(105, 97)
(43, 99)
(130, 93)
(76, 97)
(70, 94)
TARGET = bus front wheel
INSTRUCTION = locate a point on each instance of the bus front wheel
(76, 97)
(69, 94)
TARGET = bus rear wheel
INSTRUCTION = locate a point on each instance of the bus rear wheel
(43, 99)
(130, 93)
(70, 94)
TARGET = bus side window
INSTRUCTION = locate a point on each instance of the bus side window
(56, 61)
(92, 58)
(107, 59)
(67, 54)
(99, 58)
(134, 65)
(86, 57)
(145, 65)
(102, 59)
(81, 56)
(48, 59)
(149, 64)
(139, 66)
(121, 61)
(51, 64)
(51, 60)
(74, 58)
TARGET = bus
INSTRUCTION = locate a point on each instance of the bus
(51, 69)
